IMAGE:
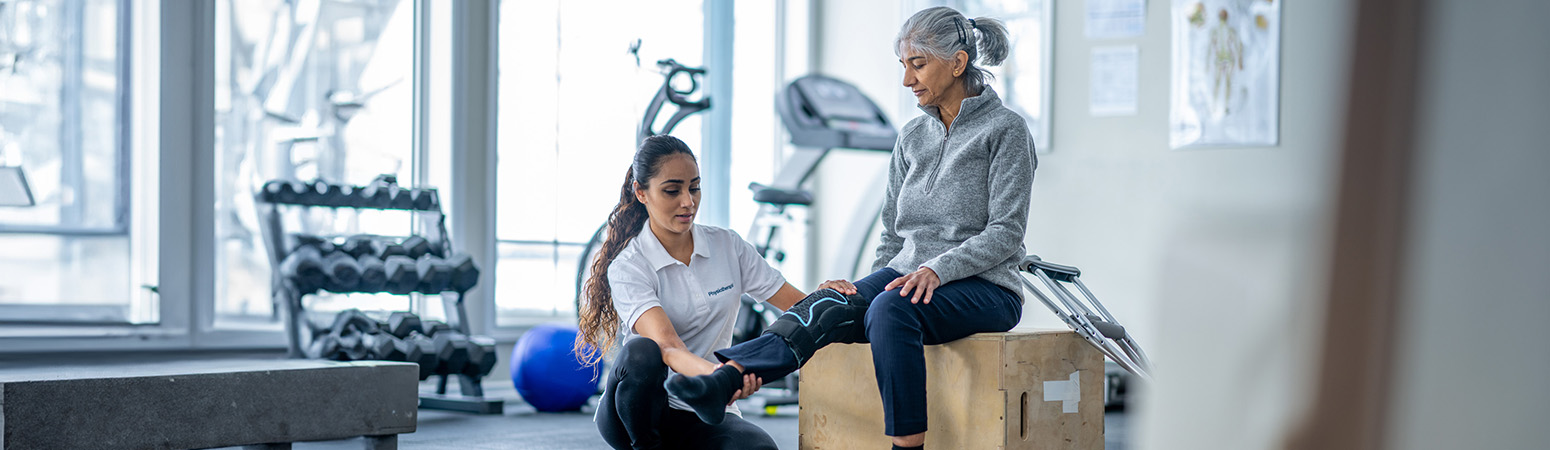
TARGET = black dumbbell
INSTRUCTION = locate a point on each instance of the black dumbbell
(412, 351)
(435, 275)
(415, 247)
(351, 348)
(349, 328)
(353, 321)
(304, 269)
(373, 274)
(402, 323)
(299, 240)
(357, 245)
(383, 346)
(385, 248)
(321, 193)
(344, 272)
(325, 346)
(426, 348)
(296, 193)
(335, 194)
(464, 274)
(273, 191)
(481, 356)
(475, 354)
(434, 327)
(349, 196)
(451, 352)
(374, 196)
(402, 275)
(309, 193)
(424, 199)
(401, 198)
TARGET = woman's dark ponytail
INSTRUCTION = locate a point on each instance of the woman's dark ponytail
(599, 321)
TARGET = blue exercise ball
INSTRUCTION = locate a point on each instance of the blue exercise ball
(547, 373)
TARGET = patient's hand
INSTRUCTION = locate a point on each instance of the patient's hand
(922, 281)
(844, 287)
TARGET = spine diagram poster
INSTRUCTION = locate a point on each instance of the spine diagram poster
(1226, 73)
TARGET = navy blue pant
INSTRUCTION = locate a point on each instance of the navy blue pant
(633, 413)
(898, 331)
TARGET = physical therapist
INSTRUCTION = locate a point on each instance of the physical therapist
(674, 286)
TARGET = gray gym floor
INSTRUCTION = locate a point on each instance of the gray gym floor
(521, 427)
(524, 428)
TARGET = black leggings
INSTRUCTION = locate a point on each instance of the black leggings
(633, 413)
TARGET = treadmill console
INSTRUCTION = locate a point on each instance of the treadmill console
(824, 112)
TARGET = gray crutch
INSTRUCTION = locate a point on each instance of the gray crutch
(1092, 323)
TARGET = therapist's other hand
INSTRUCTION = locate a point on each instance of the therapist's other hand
(921, 283)
(751, 384)
(844, 287)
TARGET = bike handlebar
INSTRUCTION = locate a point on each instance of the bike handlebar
(672, 69)
(669, 94)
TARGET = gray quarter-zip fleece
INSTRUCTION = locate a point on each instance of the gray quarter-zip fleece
(958, 202)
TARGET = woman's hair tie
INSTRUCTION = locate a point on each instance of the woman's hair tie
(971, 24)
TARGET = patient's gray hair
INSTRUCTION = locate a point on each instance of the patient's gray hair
(941, 32)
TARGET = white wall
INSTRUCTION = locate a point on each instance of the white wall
(1211, 257)
(1471, 362)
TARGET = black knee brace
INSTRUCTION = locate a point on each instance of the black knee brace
(824, 317)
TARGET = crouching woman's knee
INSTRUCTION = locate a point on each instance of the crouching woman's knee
(640, 362)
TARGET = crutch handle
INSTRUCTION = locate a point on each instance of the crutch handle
(1109, 330)
(1056, 271)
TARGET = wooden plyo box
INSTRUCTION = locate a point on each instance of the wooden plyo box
(1024, 389)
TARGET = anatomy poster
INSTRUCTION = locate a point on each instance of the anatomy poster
(1226, 73)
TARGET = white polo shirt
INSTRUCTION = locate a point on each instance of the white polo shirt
(700, 299)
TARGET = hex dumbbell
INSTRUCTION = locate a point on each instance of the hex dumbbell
(435, 275)
(427, 353)
(464, 274)
(452, 352)
(481, 356)
(402, 324)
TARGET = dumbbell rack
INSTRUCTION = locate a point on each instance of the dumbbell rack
(383, 194)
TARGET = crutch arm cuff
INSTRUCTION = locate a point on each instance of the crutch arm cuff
(1056, 271)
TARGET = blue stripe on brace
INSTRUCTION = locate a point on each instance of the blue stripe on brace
(807, 321)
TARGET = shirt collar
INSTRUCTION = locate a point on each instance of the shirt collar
(969, 107)
(656, 253)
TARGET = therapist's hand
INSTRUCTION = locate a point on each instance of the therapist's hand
(751, 384)
(922, 282)
(844, 287)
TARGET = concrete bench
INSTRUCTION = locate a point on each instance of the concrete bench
(205, 404)
(1023, 389)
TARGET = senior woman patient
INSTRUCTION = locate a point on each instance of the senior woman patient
(954, 218)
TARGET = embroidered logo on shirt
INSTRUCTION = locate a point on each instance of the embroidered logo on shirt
(723, 289)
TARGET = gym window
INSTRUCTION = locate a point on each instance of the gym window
(70, 256)
(306, 91)
(571, 96)
(562, 154)
(324, 90)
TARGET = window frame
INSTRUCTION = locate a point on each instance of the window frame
(715, 157)
(30, 313)
(169, 169)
